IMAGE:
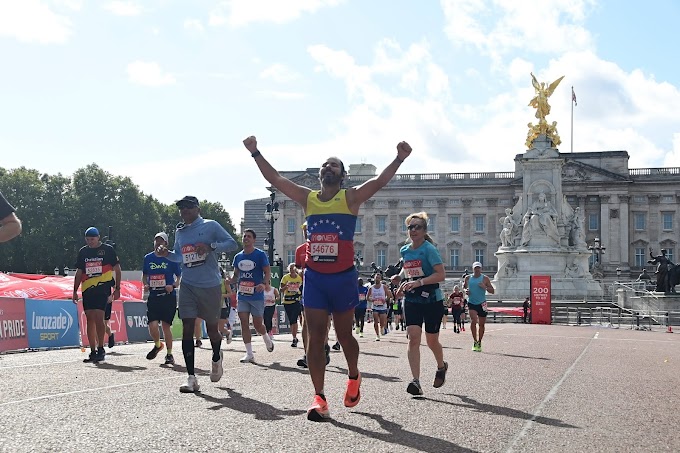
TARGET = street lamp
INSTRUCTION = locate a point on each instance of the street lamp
(618, 272)
(271, 215)
(56, 271)
(224, 261)
(596, 251)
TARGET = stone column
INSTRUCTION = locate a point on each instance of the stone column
(368, 231)
(393, 231)
(442, 228)
(624, 228)
(466, 233)
(605, 231)
(653, 227)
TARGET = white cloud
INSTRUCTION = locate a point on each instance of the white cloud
(279, 73)
(123, 8)
(497, 27)
(148, 74)
(193, 25)
(238, 13)
(75, 5)
(33, 21)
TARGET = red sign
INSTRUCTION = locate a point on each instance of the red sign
(13, 329)
(117, 323)
(540, 299)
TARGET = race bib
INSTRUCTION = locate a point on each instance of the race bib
(484, 306)
(293, 287)
(93, 267)
(191, 258)
(323, 247)
(362, 297)
(246, 288)
(157, 281)
(378, 302)
(414, 269)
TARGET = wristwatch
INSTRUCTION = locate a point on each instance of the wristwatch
(213, 246)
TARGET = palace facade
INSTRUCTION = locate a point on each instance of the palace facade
(628, 210)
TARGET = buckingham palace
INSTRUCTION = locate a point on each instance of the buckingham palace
(627, 211)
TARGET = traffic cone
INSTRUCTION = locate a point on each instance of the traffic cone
(670, 329)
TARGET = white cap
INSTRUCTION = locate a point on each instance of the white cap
(163, 235)
(476, 264)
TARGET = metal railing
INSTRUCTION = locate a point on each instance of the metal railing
(616, 318)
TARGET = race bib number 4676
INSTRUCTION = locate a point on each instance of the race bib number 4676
(324, 247)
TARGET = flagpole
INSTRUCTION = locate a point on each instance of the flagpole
(572, 119)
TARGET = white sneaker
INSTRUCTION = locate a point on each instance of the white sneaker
(248, 358)
(191, 385)
(216, 370)
(230, 336)
(269, 343)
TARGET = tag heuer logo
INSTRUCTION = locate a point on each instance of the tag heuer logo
(130, 321)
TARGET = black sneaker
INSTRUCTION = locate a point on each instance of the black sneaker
(154, 352)
(302, 362)
(169, 359)
(336, 346)
(100, 356)
(294, 344)
(91, 358)
(440, 376)
(414, 388)
(112, 341)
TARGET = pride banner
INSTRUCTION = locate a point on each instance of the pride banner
(13, 332)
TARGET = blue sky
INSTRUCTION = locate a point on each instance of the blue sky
(164, 91)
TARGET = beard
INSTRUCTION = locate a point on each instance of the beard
(330, 178)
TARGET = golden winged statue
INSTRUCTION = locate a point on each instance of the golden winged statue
(540, 103)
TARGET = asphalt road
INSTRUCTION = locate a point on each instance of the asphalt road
(534, 388)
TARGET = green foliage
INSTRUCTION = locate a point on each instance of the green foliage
(56, 210)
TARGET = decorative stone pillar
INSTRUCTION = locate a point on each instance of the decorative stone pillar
(605, 231)
(624, 226)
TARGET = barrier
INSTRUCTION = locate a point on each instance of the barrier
(13, 332)
(52, 323)
(136, 322)
(117, 323)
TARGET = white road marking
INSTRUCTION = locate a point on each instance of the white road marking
(551, 394)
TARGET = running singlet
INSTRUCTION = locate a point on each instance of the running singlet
(291, 285)
(363, 291)
(330, 229)
(477, 294)
(269, 297)
(379, 298)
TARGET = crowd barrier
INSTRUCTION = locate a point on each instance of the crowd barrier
(47, 324)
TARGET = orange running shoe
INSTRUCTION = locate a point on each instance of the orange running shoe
(353, 393)
(319, 411)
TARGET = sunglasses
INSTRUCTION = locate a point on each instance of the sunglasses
(416, 227)
(186, 206)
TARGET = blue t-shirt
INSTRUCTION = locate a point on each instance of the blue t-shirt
(250, 274)
(161, 272)
(419, 263)
(363, 294)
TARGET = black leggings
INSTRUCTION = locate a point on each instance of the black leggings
(359, 318)
(268, 317)
(456, 315)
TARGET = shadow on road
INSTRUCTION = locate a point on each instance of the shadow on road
(276, 366)
(397, 435)
(469, 403)
(380, 377)
(238, 402)
(181, 369)
(375, 354)
(518, 356)
(120, 368)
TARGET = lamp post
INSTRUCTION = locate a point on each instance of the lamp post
(56, 271)
(224, 262)
(596, 251)
(271, 215)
